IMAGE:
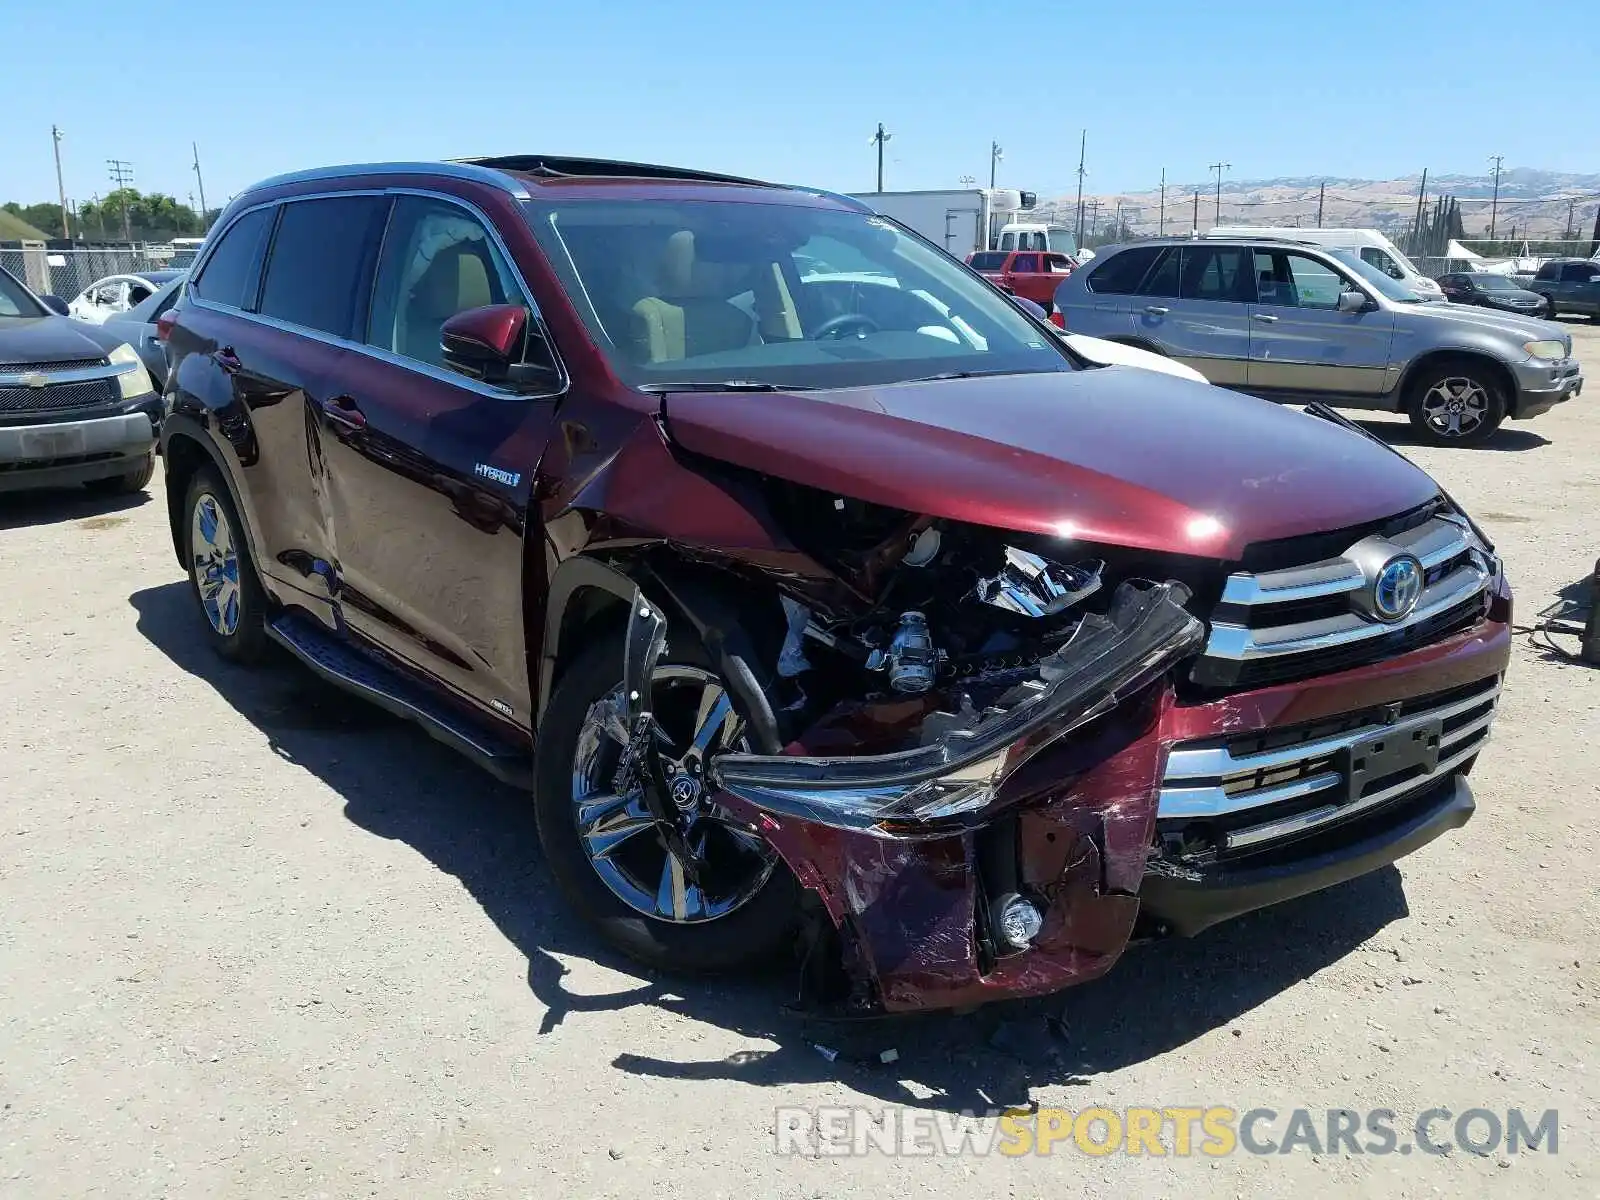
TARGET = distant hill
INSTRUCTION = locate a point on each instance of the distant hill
(14, 228)
(1533, 203)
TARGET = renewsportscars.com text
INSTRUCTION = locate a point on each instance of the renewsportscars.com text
(1157, 1132)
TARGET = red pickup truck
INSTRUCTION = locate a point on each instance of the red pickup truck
(1032, 274)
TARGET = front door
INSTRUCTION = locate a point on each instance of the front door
(428, 474)
(1300, 341)
(1195, 309)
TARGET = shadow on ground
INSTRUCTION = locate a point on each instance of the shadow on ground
(1401, 434)
(19, 510)
(398, 784)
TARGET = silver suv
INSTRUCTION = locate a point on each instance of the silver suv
(1289, 321)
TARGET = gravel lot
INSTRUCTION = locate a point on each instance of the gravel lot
(259, 939)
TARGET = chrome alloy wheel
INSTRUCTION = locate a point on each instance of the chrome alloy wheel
(623, 840)
(215, 563)
(1455, 406)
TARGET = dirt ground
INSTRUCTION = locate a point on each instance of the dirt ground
(259, 939)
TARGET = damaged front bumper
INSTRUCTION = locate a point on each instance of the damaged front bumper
(909, 878)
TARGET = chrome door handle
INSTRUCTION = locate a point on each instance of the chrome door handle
(343, 414)
(1156, 310)
(1267, 317)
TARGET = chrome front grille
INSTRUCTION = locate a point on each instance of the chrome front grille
(1243, 793)
(65, 386)
(1320, 617)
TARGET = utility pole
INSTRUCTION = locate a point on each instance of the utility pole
(1083, 142)
(122, 175)
(61, 189)
(1162, 229)
(995, 155)
(1094, 215)
(202, 184)
(1219, 168)
(1322, 189)
(1571, 229)
(100, 212)
(1416, 225)
(882, 136)
(1116, 230)
(1494, 205)
(1195, 227)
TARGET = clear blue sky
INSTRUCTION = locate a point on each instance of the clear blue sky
(793, 92)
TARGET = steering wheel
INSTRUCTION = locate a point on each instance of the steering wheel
(833, 327)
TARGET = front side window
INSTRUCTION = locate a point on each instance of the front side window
(1288, 280)
(228, 276)
(1008, 241)
(1374, 257)
(1579, 272)
(1026, 264)
(438, 260)
(710, 292)
(315, 275)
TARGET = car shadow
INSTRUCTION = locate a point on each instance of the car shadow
(1505, 439)
(19, 510)
(398, 785)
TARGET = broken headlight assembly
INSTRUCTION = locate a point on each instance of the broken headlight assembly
(926, 790)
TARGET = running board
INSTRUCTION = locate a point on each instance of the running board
(350, 669)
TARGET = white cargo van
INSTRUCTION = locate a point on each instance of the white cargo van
(1037, 235)
(1375, 250)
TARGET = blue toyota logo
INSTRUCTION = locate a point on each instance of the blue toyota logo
(1398, 588)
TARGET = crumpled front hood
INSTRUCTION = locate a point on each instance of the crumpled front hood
(1113, 454)
(50, 339)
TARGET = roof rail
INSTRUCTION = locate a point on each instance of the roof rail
(557, 166)
(464, 169)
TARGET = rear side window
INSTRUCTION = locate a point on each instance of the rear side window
(1216, 273)
(1121, 274)
(1548, 271)
(229, 274)
(987, 260)
(321, 260)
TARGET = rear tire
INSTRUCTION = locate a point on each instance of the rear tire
(759, 926)
(128, 482)
(1457, 404)
(222, 576)
(1549, 308)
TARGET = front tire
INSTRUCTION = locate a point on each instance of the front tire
(608, 856)
(222, 576)
(1457, 404)
(128, 482)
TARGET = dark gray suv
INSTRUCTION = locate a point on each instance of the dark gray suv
(1289, 321)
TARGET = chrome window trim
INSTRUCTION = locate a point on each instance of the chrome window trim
(444, 375)
(71, 375)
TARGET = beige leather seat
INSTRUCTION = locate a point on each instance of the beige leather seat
(690, 313)
(456, 280)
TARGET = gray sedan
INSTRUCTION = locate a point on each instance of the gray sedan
(138, 325)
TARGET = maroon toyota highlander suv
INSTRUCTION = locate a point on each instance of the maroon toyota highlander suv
(820, 596)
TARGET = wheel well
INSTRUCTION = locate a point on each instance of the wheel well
(592, 612)
(181, 458)
(1139, 344)
(1498, 372)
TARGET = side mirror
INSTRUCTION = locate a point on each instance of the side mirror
(56, 305)
(488, 343)
(1353, 301)
(1029, 307)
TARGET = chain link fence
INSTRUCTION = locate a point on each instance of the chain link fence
(65, 273)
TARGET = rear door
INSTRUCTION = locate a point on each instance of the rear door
(1109, 297)
(428, 474)
(1301, 343)
(1197, 309)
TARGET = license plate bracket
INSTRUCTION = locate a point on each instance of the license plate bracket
(1393, 752)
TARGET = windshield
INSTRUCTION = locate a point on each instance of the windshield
(705, 292)
(1378, 280)
(15, 301)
